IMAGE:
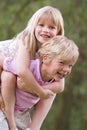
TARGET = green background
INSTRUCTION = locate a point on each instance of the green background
(69, 110)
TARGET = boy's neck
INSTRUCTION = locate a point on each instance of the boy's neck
(43, 73)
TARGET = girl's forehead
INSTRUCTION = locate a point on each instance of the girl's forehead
(47, 18)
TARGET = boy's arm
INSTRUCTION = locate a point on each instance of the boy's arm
(1, 69)
(41, 110)
(1, 101)
(1, 65)
(24, 73)
(43, 106)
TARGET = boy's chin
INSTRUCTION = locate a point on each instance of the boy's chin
(56, 78)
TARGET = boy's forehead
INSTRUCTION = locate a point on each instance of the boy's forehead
(67, 60)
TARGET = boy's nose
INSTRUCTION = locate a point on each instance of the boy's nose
(66, 69)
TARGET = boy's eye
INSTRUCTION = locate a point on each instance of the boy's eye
(61, 62)
(70, 66)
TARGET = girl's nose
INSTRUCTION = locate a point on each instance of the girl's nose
(46, 29)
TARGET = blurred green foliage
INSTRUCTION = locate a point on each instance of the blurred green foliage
(14, 15)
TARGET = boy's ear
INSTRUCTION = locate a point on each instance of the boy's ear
(46, 59)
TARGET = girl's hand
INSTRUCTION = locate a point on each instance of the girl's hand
(20, 83)
(24, 40)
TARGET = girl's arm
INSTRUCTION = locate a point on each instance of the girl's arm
(41, 110)
(56, 86)
(24, 73)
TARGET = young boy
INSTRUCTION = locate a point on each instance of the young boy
(55, 62)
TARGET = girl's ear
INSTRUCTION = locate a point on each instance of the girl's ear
(46, 59)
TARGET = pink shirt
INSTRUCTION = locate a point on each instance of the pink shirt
(25, 100)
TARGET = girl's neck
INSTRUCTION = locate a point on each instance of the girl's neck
(38, 45)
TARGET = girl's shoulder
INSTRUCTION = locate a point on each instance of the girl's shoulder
(5, 43)
(7, 47)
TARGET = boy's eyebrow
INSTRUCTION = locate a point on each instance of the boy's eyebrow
(67, 61)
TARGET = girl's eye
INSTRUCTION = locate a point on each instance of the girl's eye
(51, 27)
(41, 25)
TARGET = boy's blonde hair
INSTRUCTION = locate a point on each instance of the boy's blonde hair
(62, 47)
(29, 30)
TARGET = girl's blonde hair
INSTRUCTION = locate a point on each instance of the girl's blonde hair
(29, 30)
(62, 47)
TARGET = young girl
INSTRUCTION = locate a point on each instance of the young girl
(56, 59)
(46, 23)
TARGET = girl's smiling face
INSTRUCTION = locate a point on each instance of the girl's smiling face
(45, 29)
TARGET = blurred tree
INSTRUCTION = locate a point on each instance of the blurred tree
(69, 109)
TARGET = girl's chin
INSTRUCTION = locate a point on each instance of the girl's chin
(44, 40)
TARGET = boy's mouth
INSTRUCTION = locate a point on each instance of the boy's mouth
(61, 75)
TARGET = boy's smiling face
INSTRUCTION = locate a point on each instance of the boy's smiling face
(56, 68)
